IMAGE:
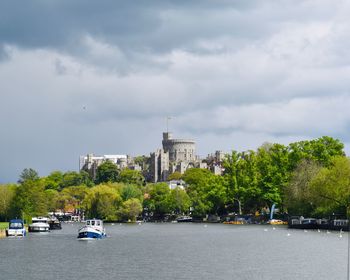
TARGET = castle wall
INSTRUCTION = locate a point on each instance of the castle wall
(179, 149)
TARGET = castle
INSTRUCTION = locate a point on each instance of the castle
(176, 155)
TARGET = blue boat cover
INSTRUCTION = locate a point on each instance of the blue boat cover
(16, 221)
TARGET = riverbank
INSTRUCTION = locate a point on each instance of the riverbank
(3, 227)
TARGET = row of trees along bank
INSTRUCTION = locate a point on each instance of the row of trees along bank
(310, 178)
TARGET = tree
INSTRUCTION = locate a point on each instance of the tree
(158, 199)
(73, 178)
(175, 176)
(51, 198)
(130, 209)
(272, 165)
(107, 172)
(30, 199)
(129, 176)
(231, 174)
(131, 191)
(28, 174)
(85, 179)
(102, 202)
(142, 161)
(298, 193)
(320, 150)
(331, 188)
(7, 193)
(179, 201)
(54, 181)
(71, 197)
(206, 191)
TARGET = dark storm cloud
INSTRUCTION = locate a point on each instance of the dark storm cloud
(132, 25)
(101, 76)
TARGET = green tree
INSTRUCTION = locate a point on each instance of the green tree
(232, 172)
(130, 209)
(54, 181)
(30, 199)
(331, 188)
(206, 191)
(158, 199)
(7, 193)
(28, 174)
(131, 191)
(272, 165)
(70, 178)
(51, 198)
(107, 172)
(71, 197)
(320, 150)
(128, 176)
(179, 201)
(175, 176)
(102, 202)
(298, 194)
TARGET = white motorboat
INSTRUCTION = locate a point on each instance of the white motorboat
(16, 228)
(93, 229)
(39, 224)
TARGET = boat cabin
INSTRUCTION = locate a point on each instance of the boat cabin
(16, 224)
(94, 222)
(40, 220)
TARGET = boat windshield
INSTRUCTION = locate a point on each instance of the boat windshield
(93, 223)
(16, 225)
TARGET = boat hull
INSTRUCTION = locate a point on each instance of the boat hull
(39, 227)
(55, 225)
(16, 232)
(90, 234)
(184, 219)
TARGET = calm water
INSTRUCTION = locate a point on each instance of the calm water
(176, 251)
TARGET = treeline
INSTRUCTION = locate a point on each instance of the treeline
(310, 178)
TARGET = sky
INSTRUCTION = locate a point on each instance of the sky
(101, 77)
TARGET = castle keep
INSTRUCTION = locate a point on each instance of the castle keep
(176, 155)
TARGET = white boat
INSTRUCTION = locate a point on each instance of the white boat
(16, 228)
(93, 229)
(39, 224)
(54, 223)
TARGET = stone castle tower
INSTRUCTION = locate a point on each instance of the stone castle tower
(176, 155)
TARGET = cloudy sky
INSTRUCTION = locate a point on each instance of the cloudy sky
(101, 76)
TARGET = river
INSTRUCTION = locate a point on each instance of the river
(177, 251)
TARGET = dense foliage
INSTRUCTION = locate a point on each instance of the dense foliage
(304, 178)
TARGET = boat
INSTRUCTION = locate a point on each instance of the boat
(93, 229)
(339, 224)
(184, 219)
(54, 223)
(39, 224)
(16, 228)
(303, 223)
(238, 222)
(276, 222)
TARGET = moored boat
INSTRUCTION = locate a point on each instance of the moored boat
(16, 228)
(39, 224)
(302, 223)
(339, 224)
(54, 223)
(93, 229)
(184, 219)
(277, 222)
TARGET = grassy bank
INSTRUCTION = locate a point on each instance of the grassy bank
(4, 225)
